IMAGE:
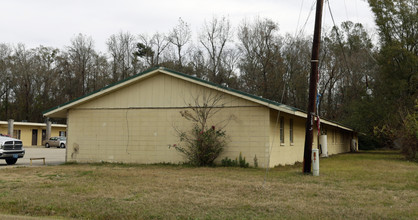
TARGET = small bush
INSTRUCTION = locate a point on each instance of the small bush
(238, 162)
(202, 144)
(410, 134)
(227, 162)
(202, 147)
(242, 162)
(367, 142)
(404, 135)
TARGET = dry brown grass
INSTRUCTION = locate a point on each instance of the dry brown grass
(375, 185)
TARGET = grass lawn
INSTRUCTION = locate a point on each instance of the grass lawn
(366, 185)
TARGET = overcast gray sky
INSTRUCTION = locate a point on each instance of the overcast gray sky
(55, 22)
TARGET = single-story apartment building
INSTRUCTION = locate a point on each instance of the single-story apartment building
(135, 121)
(32, 133)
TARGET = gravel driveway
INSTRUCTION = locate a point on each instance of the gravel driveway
(53, 156)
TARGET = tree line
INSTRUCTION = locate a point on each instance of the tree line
(362, 83)
(253, 57)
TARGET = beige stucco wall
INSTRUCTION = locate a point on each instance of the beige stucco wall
(136, 124)
(287, 153)
(26, 132)
(338, 140)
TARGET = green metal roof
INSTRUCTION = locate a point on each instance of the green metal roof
(99, 90)
(193, 78)
(231, 90)
(180, 74)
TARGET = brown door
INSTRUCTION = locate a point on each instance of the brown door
(34, 137)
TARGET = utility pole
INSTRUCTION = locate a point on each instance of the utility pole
(313, 81)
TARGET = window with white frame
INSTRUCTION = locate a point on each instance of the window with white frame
(282, 130)
(291, 131)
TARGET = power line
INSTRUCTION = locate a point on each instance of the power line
(346, 11)
(272, 141)
(300, 12)
(309, 15)
(357, 17)
(338, 38)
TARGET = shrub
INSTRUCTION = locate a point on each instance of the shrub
(238, 162)
(226, 162)
(403, 134)
(201, 147)
(367, 142)
(242, 162)
(410, 134)
(202, 144)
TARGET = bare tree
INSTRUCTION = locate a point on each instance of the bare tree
(261, 64)
(202, 144)
(214, 37)
(121, 47)
(23, 77)
(5, 80)
(46, 81)
(179, 37)
(101, 75)
(296, 54)
(81, 54)
(346, 68)
(154, 47)
(198, 63)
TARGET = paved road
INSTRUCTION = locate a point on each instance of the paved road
(53, 156)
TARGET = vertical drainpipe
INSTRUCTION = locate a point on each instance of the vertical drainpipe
(10, 127)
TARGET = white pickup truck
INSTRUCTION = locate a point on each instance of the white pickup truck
(11, 149)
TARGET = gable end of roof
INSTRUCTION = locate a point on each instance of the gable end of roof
(109, 88)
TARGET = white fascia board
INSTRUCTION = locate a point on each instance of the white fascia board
(230, 92)
(99, 93)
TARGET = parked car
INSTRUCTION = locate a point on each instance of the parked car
(11, 149)
(56, 142)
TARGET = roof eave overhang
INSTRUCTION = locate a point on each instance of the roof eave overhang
(232, 93)
(61, 111)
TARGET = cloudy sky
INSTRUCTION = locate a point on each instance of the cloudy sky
(55, 22)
